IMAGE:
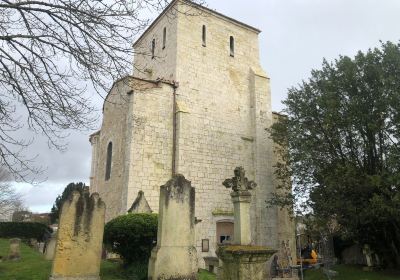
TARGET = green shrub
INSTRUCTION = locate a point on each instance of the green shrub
(132, 236)
(24, 230)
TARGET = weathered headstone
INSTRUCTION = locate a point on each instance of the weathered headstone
(79, 238)
(368, 255)
(242, 261)
(33, 243)
(140, 205)
(15, 252)
(175, 256)
(41, 247)
(50, 248)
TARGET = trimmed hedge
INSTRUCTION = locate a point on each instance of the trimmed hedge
(132, 236)
(24, 230)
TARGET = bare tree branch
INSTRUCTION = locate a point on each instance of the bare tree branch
(10, 200)
(50, 51)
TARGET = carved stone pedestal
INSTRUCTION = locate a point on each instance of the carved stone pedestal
(239, 262)
(241, 205)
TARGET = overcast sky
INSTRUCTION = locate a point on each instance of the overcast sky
(296, 36)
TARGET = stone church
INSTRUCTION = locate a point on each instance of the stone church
(198, 103)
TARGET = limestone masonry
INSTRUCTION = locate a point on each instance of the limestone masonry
(198, 104)
(78, 249)
(175, 257)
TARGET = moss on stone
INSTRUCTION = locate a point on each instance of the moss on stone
(220, 212)
(246, 249)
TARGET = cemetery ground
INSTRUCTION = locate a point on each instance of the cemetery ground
(348, 272)
(33, 266)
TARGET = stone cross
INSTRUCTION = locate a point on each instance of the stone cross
(239, 182)
(241, 198)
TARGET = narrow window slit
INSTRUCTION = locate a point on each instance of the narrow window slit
(108, 161)
(164, 37)
(204, 36)
(153, 48)
(232, 46)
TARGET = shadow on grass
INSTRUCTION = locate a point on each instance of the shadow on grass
(348, 272)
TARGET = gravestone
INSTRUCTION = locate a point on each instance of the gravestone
(33, 243)
(242, 261)
(79, 238)
(140, 205)
(50, 248)
(368, 255)
(15, 252)
(41, 247)
(175, 256)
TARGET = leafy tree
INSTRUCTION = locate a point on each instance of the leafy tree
(342, 132)
(55, 210)
(50, 51)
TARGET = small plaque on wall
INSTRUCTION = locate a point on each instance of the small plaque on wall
(205, 245)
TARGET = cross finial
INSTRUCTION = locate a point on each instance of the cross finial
(239, 182)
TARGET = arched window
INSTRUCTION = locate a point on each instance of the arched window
(232, 46)
(164, 37)
(204, 36)
(108, 161)
(153, 48)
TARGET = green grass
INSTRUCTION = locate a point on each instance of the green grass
(33, 266)
(205, 275)
(347, 272)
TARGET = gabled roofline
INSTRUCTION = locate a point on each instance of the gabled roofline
(199, 7)
(95, 133)
(173, 84)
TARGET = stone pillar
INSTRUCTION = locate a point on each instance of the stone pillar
(15, 252)
(241, 205)
(175, 255)
(79, 238)
(242, 261)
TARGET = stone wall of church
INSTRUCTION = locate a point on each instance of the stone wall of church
(149, 143)
(137, 120)
(226, 107)
(163, 64)
(113, 130)
(223, 108)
